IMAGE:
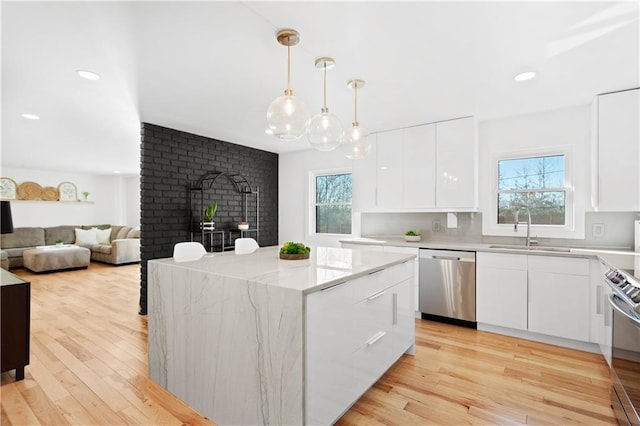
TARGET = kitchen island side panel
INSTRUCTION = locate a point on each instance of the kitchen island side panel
(227, 346)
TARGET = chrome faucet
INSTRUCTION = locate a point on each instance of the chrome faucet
(528, 222)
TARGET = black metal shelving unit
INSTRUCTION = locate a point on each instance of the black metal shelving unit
(243, 187)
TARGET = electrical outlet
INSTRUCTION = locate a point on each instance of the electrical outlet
(435, 226)
(597, 230)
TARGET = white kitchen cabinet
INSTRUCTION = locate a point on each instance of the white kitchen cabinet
(363, 180)
(416, 277)
(389, 169)
(617, 176)
(601, 310)
(456, 164)
(501, 289)
(330, 346)
(559, 297)
(354, 332)
(419, 167)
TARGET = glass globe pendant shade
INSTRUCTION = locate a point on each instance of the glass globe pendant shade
(324, 131)
(287, 117)
(356, 144)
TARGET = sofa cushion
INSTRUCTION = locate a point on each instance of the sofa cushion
(66, 233)
(122, 233)
(134, 233)
(16, 252)
(105, 226)
(103, 236)
(23, 237)
(85, 237)
(101, 248)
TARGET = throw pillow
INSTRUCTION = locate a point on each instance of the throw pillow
(103, 235)
(86, 237)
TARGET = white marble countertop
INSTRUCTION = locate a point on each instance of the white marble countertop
(325, 267)
(617, 258)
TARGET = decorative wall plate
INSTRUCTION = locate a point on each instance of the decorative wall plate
(68, 191)
(49, 193)
(29, 191)
(8, 189)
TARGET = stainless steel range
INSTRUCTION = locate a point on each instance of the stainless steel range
(625, 360)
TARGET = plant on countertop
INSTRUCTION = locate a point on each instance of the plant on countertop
(412, 233)
(210, 211)
(294, 248)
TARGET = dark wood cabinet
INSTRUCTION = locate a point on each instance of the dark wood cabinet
(15, 314)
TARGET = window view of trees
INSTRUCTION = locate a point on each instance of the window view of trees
(333, 204)
(536, 183)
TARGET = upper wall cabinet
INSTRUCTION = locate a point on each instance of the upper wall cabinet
(423, 168)
(456, 164)
(617, 152)
(363, 180)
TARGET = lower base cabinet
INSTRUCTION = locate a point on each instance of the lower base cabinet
(541, 294)
(355, 332)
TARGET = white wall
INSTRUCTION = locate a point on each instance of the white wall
(293, 193)
(563, 128)
(110, 201)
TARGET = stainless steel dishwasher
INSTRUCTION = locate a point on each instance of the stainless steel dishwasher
(448, 286)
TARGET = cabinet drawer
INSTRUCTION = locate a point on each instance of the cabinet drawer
(502, 260)
(374, 358)
(559, 265)
(377, 281)
(372, 315)
(372, 283)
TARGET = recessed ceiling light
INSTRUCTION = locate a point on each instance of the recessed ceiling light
(88, 75)
(30, 116)
(525, 76)
(116, 171)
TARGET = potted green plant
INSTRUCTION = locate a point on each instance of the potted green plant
(59, 242)
(294, 251)
(209, 212)
(85, 194)
(412, 235)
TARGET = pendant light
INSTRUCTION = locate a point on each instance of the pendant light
(324, 130)
(355, 144)
(287, 116)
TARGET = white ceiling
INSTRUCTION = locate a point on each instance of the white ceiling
(212, 68)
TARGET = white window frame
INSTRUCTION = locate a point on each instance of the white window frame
(546, 231)
(312, 201)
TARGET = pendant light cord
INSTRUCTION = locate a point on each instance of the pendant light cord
(288, 91)
(355, 88)
(324, 109)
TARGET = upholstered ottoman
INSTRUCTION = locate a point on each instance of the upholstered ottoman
(52, 258)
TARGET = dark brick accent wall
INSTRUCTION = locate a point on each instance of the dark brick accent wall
(171, 160)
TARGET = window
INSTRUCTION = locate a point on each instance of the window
(537, 183)
(333, 203)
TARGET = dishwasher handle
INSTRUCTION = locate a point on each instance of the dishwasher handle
(446, 258)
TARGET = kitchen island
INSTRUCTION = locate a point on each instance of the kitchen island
(252, 339)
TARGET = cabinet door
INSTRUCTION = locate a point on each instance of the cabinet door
(501, 289)
(559, 305)
(419, 166)
(330, 346)
(619, 151)
(416, 270)
(455, 164)
(389, 170)
(364, 180)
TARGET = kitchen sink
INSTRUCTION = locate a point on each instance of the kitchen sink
(532, 248)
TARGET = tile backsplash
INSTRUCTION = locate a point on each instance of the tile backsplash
(618, 228)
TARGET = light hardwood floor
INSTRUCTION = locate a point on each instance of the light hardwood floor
(89, 367)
